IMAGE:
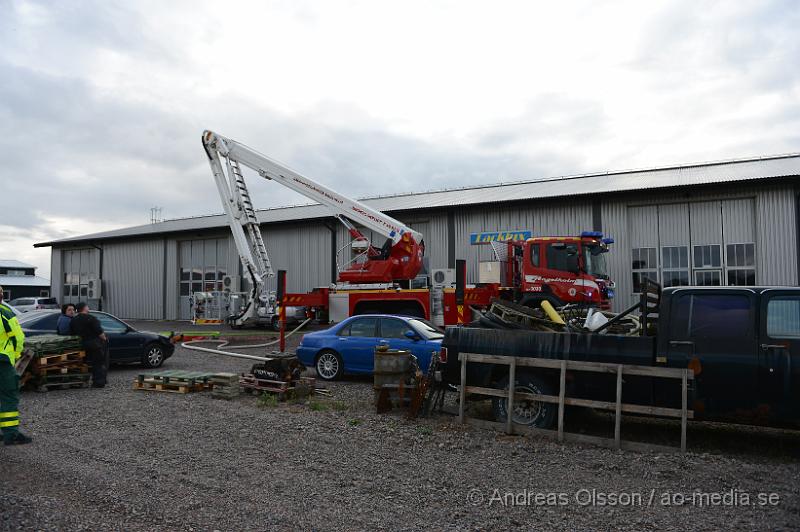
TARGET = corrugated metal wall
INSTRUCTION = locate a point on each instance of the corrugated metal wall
(302, 250)
(56, 275)
(776, 236)
(134, 270)
(133, 275)
(707, 221)
(171, 264)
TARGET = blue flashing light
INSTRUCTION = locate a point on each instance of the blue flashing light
(608, 240)
(591, 234)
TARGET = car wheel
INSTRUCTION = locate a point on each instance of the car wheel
(536, 414)
(153, 356)
(329, 366)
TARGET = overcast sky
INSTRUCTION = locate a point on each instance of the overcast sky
(102, 104)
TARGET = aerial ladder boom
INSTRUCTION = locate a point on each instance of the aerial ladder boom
(400, 259)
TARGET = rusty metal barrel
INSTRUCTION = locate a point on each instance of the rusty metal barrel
(391, 366)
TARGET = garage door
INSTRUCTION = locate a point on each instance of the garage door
(701, 243)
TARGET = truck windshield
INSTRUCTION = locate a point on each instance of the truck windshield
(594, 259)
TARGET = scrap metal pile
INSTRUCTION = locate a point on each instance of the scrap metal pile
(504, 314)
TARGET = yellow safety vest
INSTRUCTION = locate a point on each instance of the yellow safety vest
(11, 336)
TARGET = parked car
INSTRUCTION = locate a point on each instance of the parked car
(349, 346)
(14, 309)
(125, 344)
(25, 304)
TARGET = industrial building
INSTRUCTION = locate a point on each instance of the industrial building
(731, 222)
(19, 279)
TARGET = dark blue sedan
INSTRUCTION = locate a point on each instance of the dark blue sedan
(125, 344)
(349, 346)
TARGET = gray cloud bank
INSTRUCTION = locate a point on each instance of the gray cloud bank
(76, 149)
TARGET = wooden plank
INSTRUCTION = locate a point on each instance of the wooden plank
(588, 403)
(462, 396)
(512, 387)
(494, 392)
(684, 407)
(596, 367)
(562, 390)
(618, 408)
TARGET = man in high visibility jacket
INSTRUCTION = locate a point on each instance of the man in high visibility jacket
(11, 341)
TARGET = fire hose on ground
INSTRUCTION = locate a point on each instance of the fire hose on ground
(224, 343)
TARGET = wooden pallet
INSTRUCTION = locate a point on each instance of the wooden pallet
(60, 359)
(281, 388)
(177, 378)
(80, 380)
(61, 369)
(61, 377)
(163, 387)
(24, 360)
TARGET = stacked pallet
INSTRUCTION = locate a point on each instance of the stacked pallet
(225, 385)
(299, 387)
(57, 362)
(173, 381)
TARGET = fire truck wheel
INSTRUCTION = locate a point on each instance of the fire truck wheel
(329, 365)
(526, 412)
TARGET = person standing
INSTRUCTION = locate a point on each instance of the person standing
(64, 321)
(11, 341)
(94, 342)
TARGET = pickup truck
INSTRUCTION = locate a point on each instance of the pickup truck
(743, 344)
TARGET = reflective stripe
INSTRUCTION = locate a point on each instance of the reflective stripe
(8, 414)
(14, 423)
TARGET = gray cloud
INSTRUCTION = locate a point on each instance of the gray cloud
(75, 148)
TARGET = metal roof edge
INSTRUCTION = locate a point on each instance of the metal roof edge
(106, 235)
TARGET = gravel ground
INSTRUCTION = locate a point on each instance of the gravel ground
(118, 459)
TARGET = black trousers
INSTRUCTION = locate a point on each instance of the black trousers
(97, 357)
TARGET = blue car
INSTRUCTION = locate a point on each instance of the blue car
(349, 346)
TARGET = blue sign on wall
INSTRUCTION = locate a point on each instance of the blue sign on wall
(498, 236)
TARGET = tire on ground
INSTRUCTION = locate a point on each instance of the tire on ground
(529, 413)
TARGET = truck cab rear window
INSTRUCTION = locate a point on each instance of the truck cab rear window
(708, 316)
(783, 317)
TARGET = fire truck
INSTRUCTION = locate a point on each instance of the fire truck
(385, 278)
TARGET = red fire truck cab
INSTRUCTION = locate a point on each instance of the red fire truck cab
(562, 270)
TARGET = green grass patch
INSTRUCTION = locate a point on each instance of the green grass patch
(267, 400)
(318, 406)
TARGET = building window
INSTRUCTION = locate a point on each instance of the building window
(675, 265)
(79, 266)
(16, 273)
(202, 265)
(708, 278)
(44, 293)
(708, 265)
(644, 266)
(707, 256)
(741, 262)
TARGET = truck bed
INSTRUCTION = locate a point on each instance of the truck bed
(558, 346)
